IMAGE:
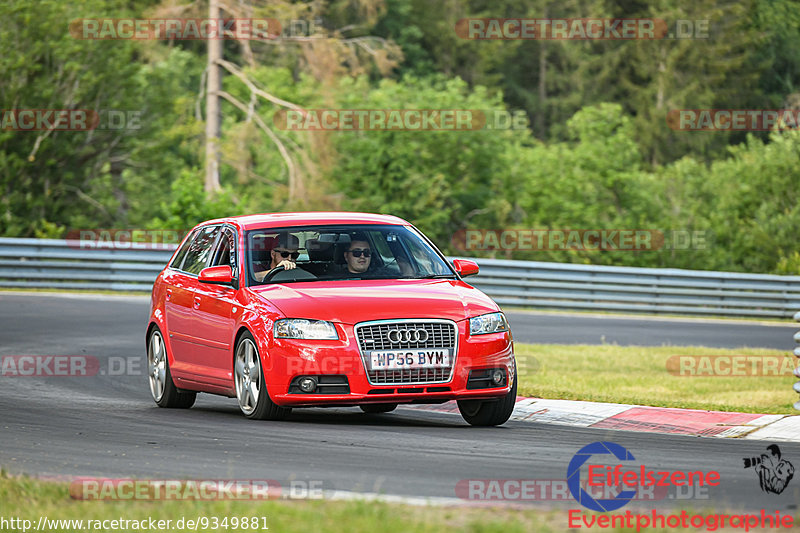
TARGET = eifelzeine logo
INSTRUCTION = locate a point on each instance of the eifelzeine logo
(630, 478)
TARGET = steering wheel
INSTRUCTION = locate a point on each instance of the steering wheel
(271, 274)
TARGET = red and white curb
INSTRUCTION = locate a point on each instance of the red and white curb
(648, 419)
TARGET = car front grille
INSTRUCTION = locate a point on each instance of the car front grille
(375, 336)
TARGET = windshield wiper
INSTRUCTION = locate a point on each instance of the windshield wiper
(436, 276)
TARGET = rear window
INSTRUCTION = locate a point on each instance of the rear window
(178, 260)
(199, 249)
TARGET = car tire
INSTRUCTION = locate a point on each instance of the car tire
(250, 383)
(162, 388)
(378, 408)
(490, 412)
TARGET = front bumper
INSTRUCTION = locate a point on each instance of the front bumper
(287, 359)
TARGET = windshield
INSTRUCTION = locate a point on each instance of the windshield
(319, 253)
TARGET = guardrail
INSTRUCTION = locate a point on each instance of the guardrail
(60, 264)
(796, 352)
(630, 289)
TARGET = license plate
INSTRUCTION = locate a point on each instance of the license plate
(408, 359)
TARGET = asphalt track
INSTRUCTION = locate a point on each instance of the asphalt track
(107, 425)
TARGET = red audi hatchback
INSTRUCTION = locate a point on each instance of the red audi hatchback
(325, 309)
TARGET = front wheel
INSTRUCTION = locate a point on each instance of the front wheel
(490, 412)
(162, 388)
(251, 387)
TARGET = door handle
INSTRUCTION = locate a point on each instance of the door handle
(169, 294)
(197, 302)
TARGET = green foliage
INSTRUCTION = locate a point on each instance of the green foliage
(103, 177)
(438, 179)
(598, 153)
(188, 204)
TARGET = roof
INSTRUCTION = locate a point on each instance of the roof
(274, 220)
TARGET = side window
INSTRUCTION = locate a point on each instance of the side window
(176, 263)
(200, 249)
(381, 252)
(424, 257)
(225, 252)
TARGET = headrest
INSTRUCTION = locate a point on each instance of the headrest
(287, 240)
(319, 251)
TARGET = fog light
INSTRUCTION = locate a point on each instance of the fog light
(498, 376)
(308, 384)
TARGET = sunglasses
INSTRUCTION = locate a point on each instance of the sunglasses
(285, 254)
(357, 253)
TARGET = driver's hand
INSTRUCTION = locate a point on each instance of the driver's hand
(288, 265)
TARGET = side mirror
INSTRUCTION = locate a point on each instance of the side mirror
(465, 267)
(217, 275)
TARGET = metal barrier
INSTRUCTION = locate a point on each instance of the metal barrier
(59, 264)
(796, 386)
(630, 289)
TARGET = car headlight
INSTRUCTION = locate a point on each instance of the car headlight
(300, 328)
(490, 323)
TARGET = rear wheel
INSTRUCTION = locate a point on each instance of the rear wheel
(163, 390)
(377, 408)
(251, 388)
(490, 412)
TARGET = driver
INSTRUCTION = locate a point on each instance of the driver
(284, 253)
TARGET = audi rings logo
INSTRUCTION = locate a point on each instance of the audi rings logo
(407, 335)
(574, 477)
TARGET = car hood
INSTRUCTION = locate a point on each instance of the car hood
(354, 301)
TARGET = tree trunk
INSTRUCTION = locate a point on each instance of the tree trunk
(212, 104)
(540, 117)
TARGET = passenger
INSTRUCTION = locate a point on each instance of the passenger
(358, 261)
(358, 256)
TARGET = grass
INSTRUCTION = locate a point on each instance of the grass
(29, 499)
(26, 498)
(645, 316)
(640, 375)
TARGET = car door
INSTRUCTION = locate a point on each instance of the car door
(181, 300)
(214, 319)
(177, 302)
